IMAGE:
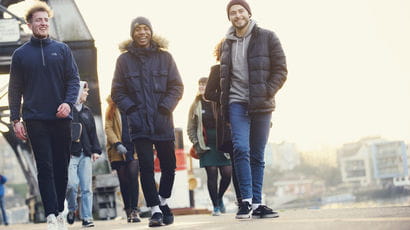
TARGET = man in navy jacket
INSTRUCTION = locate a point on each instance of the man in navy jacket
(44, 73)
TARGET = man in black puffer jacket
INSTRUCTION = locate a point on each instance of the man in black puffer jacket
(253, 69)
(147, 87)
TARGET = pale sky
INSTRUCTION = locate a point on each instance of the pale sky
(349, 75)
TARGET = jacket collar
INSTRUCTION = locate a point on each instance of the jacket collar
(36, 41)
(139, 50)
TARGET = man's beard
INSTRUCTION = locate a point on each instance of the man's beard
(40, 36)
(242, 26)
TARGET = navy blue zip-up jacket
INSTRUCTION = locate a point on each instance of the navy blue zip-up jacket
(44, 73)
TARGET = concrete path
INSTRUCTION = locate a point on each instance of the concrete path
(386, 218)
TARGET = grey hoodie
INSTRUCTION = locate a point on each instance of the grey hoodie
(239, 91)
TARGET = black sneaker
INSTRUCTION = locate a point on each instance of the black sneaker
(70, 217)
(264, 212)
(168, 216)
(134, 218)
(88, 224)
(156, 220)
(244, 211)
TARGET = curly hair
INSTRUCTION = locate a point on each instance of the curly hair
(217, 50)
(109, 113)
(38, 6)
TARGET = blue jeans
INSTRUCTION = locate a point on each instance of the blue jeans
(3, 210)
(80, 172)
(250, 133)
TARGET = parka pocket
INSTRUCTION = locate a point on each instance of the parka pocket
(133, 81)
(135, 124)
(160, 81)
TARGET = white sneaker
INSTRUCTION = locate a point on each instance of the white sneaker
(61, 222)
(52, 222)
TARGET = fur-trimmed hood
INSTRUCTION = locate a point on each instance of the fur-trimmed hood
(160, 42)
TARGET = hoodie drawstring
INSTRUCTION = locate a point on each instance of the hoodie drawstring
(236, 50)
(237, 47)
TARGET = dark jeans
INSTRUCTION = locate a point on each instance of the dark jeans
(166, 156)
(235, 181)
(3, 210)
(51, 143)
(128, 176)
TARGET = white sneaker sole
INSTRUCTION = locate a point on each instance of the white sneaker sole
(243, 216)
(265, 216)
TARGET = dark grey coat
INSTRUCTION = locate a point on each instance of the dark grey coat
(147, 86)
(267, 71)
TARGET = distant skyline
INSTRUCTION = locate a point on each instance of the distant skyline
(349, 75)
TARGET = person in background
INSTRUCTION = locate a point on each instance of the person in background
(147, 87)
(3, 180)
(253, 69)
(202, 134)
(223, 130)
(84, 151)
(44, 75)
(123, 158)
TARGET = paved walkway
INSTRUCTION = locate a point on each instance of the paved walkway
(387, 218)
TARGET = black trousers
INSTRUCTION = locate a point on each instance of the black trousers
(166, 156)
(51, 143)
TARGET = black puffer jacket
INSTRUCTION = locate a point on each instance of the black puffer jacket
(213, 93)
(267, 71)
(89, 143)
(146, 81)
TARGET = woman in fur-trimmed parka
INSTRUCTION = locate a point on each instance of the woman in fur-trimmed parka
(147, 87)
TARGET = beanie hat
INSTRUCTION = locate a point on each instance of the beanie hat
(238, 2)
(140, 21)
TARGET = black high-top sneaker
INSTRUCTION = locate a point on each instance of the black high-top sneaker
(245, 210)
(156, 220)
(168, 216)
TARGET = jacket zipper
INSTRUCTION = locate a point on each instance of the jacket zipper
(42, 52)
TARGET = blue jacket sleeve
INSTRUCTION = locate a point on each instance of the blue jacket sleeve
(3, 179)
(16, 86)
(175, 87)
(72, 79)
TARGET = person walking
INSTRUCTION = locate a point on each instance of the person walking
(147, 87)
(123, 158)
(253, 69)
(84, 150)
(202, 133)
(223, 131)
(3, 180)
(44, 74)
